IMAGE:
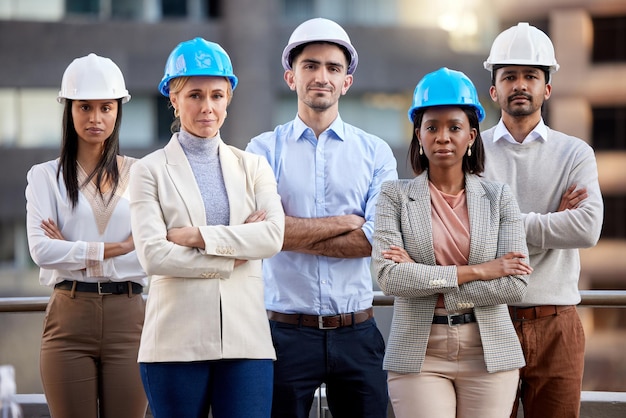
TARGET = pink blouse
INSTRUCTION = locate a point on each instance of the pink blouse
(450, 223)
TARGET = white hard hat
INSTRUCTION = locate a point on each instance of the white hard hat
(320, 30)
(522, 45)
(93, 78)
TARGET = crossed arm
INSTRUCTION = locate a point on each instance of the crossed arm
(334, 236)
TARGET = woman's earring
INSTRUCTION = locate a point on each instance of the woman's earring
(469, 151)
(421, 150)
(176, 113)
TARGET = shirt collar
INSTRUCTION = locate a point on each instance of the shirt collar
(336, 129)
(539, 133)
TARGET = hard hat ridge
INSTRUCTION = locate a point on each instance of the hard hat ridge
(446, 87)
(522, 44)
(320, 29)
(197, 57)
(93, 77)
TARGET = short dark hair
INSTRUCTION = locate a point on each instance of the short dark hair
(546, 71)
(474, 164)
(293, 54)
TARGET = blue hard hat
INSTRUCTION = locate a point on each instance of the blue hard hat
(197, 57)
(446, 87)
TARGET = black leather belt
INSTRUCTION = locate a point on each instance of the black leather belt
(454, 319)
(322, 321)
(102, 288)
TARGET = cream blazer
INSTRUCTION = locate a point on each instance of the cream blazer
(403, 218)
(199, 306)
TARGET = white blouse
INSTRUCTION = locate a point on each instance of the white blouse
(85, 228)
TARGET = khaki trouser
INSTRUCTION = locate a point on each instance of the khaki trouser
(454, 382)
(88, 356)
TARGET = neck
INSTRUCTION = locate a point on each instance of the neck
(88, 158)
(520, 126)
(318, 121)
(446, 180)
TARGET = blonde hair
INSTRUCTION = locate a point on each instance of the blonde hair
(177, 84)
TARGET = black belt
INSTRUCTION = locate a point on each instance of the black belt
(454, 319)
(321, 321)
(102, 288)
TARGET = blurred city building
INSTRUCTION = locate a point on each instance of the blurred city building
(398, 42)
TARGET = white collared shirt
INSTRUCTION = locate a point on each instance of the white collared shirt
(539, 132)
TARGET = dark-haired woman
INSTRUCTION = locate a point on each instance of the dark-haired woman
(79, 234)
(451, 248)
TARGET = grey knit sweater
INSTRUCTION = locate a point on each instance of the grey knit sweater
(539, 173)
(203, 156)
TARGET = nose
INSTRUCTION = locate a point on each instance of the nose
(95, 115)
(321, 75)
(442, 137)
(207, 105)
(520, 85)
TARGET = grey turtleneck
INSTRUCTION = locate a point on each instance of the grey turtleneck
(203, 156)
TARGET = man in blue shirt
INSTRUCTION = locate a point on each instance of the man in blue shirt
(319, 287)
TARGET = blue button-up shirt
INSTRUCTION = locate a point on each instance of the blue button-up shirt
(339, 173)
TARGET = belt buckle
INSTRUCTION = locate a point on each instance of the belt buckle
(100, 292)
(450, 321)
(320, 323)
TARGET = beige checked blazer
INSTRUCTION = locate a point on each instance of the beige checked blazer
(403, 218)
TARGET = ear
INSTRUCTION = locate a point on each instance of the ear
(493, 93)
(548, 92)
(290, 79)
(473, 135)
(347, 82)
(173, 99)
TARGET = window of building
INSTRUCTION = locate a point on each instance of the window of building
(297, 9)
(614, 224)
(83, 7)
(174, 8)
(609, 128)
(19, 107)
(609, 39)
(165, 117)
(354, 11)
(48, 10)
(7, 244)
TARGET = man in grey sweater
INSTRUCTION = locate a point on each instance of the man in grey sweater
(555, 180)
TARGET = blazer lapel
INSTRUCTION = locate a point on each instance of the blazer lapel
(479, 210)
(235, 183)
(418, 207)
(182, 177)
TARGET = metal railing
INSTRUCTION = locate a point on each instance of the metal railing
(590, 298)
(606, 404)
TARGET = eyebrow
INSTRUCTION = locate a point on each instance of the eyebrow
(526, 71)
(314, 61)
(95, 100)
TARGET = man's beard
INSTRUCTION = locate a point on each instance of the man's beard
(318, 104)
(524, 110)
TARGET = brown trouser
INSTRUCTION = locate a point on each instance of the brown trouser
(551, 381)
(88, 357)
